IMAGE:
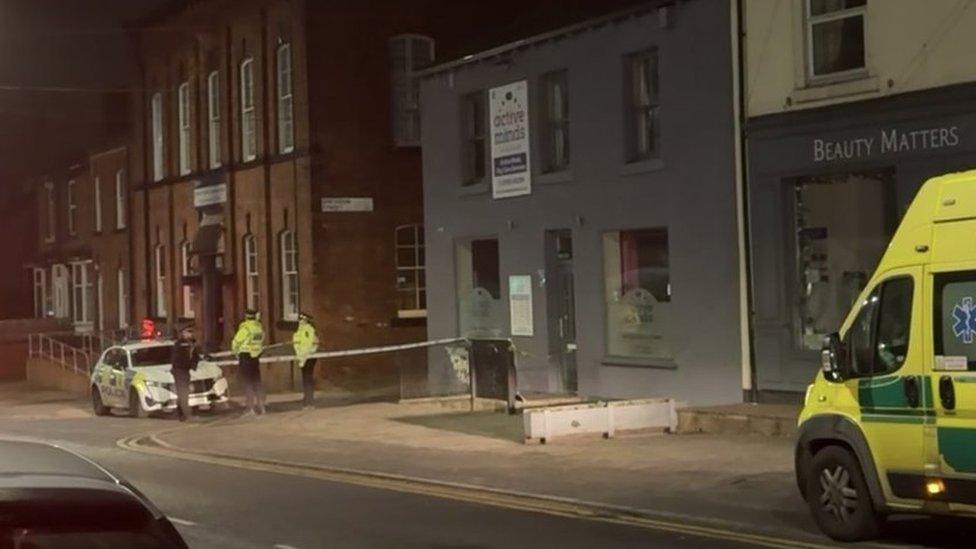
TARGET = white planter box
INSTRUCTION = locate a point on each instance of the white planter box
(604, 418)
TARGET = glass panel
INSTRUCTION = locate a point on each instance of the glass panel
(860, 335)
(406, 257)
(838, 45)
(821, 7)
(638, 293)
(894, 324)
(843, 225)
(955, 330)
(479, 303)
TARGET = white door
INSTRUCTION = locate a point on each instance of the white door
(59, 275)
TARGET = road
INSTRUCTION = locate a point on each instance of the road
(216, 506)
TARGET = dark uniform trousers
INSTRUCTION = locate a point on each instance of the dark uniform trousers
(181, 378)
(249, 369)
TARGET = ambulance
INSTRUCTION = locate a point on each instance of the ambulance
(889, 424)
(136, 377)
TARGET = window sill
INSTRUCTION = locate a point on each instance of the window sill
(552, 178)
(642, 166)
(473, 189)
(653, 363)
(832, 89)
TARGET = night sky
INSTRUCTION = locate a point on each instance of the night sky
(56, 57)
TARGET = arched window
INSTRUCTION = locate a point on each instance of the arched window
(289, 276)
(252, 291)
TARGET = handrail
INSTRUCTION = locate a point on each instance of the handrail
(70, 358)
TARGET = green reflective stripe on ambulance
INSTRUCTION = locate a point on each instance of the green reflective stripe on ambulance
(958, 448)
(904, 419)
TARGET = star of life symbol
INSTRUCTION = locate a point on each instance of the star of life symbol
(964, 315)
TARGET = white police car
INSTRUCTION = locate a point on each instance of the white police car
(136, 377)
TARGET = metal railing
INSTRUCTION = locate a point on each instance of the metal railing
(68, 357)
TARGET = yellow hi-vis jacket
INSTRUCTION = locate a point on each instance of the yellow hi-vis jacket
(249, 338)
(305, 340)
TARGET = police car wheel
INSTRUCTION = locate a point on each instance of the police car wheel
(135, 407)
(838, 496)
(98, 407)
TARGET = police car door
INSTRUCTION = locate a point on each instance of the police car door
(111, 377)
(953, 373)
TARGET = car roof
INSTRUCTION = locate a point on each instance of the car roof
(144, 344)
(36, 458)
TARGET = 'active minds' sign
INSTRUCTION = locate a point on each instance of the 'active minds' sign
(886, 142)
(511, 174)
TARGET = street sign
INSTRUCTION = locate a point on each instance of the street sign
(209, 195)
(511, 173)
(347, 204)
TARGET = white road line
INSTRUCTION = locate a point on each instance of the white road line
(182, 522)
(283, 546)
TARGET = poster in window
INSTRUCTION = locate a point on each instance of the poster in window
(509, 123)
(520, 304)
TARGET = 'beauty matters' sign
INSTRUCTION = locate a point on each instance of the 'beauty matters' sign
(886, 142)
(508, 115)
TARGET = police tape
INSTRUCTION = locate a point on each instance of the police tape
(336, 354)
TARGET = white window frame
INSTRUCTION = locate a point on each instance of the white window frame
(82, 287)
(159, 253)
(252, 272)
(40, 292)
(213, 117)
(98, 203)
(158, 140)
(120, 199)
(99, 296)
(72, 208)
(417, 269)
(405, 100)
(183, 111)
(186, 290)
(642, 101)
(123, 298)
(249, 135)
(286, 102)
(289, 275)
(52, 212)
(809, 21)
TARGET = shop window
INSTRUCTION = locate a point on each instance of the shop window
(249, 134)
(252, 290)
(289, 276)
(835, 37)
(479, 289)
(183, 111)
(158, 140)
(555, 130)
(82, 293)
(638, 293)
(474, 131)
(642, 121)
(955, 320)
(213, 118)
(408, 53)
(160, 264)
(286, 114)
(411, 277)
(843, 225)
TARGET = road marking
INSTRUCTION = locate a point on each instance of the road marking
(562, 507)
(182, 522)
(283, 546)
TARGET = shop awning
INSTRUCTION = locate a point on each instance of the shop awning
(207, 239)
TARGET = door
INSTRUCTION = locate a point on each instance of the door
(60, 282)
(953, 378)
(888, 390)
(561, 306)
(109, 377)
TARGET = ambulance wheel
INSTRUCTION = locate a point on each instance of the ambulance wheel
(98, 407)
(838, 496)
(135, 407)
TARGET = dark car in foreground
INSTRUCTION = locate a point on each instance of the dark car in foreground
(51, 497)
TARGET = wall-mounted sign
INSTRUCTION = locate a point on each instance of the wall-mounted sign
(347, 204)
(209, 195)
(520, 304)
(508, 117)
(885, 142)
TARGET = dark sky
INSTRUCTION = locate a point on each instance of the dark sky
(56, 57)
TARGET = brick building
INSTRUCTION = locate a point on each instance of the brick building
(80, 270)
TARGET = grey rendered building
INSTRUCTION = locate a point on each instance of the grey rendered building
(580, 199)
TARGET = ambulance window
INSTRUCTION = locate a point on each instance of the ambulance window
(955, 317)
(861, 335)
(894, 324)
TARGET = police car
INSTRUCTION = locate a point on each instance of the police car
(136, 377)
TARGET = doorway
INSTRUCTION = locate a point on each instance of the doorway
(561, 306)
(59, 278)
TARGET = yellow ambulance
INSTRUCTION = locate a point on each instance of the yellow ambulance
(889, 425)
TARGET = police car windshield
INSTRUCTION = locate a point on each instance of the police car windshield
(152, 356)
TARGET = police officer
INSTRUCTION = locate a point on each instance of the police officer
(184, 359)
(306, 341)
(247, 345)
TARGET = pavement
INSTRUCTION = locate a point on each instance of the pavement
(380, 474)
